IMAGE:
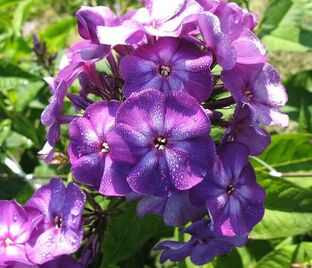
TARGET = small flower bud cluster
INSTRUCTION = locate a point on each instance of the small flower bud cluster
(172, 69)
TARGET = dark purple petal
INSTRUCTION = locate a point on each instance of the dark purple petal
(150, 175)
(61, 262)
(184, 118)
(233, 165)
(62, 230)
(249, 49)
(168, 65)
(102, 117)
(126, 144)
(151, 205)
(91, 17)
(259, 86)
(174, 251)
(113, 181)
(215, 39)
(147, 112)
(245, 129)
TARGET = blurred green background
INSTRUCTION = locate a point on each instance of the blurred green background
(282, 239)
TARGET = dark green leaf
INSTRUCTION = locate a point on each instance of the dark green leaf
(288, 256)
(126, 234)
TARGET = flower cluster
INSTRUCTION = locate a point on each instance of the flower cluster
(174, 70)
(44, 230)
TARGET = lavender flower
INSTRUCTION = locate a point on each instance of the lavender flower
(260, 88)
(166, 140)
(203, 246)
(16, 226)
(233, 198)
(61, 231)
(176, 210)
(245, 129)
(60, 262)
(168, 65)
(76, 60)
(89, 150)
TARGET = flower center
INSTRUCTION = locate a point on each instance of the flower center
(8, 241)
(160, 143)
(230, 189)
(58, 222)
(164, 70)
(248, 94)
(105, 148)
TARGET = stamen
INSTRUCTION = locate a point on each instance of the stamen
(160, 143)
(164, 70)
(248, 94)
(8, 241)
(58, 222)
(105, 148)
(230, 189)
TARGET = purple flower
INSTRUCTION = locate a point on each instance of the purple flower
(204, 245)
(168, 18)
(233, 198)
(62, 228)
(89, 150)
(101, 25)
(52, 116)
(166, 140)
(260, 88)
(16, 226)
(158, 18)
(237, 24)
(217, 41)
(245, 129)
(78, 59)
(176, 209)
(170, 64)
(91, 17)
(61, 262)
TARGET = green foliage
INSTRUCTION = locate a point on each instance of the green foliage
(126, 234)
(287, 25)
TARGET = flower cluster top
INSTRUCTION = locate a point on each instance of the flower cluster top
(175, 72)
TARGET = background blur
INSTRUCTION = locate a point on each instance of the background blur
(280, 240)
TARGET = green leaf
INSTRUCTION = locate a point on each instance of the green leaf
(288, 153)
(300, 254)
(299, 106)
(21, 14)
(126, 234)
(12, 70)
(5, 128)
(15, 188)
(287, 25)
(279, 224)
(57, 34)
(283, 195)
(27, 94)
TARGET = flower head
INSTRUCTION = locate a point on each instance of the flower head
(16, 226)
(260, 88)
(203, 246)
(166, 140)
(233, 198)
(168, 65)
(176, 210)
(61, 232)
(245, 129)
(89, 149)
